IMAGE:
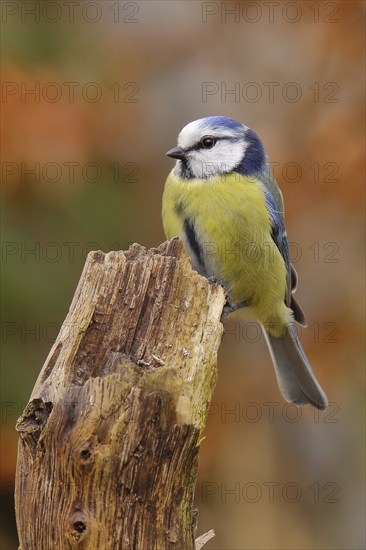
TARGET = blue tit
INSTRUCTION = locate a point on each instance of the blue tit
(223, 202)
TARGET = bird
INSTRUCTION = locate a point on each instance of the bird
(222, 200)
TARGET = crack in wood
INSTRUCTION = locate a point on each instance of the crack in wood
(109, 441)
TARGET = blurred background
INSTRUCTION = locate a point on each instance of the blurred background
(93, 95)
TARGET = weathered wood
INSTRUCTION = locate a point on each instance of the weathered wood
(109, 440)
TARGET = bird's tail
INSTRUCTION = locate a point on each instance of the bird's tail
(295, 376)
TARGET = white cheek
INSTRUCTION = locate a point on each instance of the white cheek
(222, 158)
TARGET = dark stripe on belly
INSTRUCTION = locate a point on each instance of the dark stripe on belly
(190, 233)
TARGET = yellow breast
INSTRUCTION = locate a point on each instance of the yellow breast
(232, 226)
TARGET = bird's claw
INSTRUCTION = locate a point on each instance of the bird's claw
(215, 281)
(229, 306)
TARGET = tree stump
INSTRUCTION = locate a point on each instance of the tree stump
(109, 441)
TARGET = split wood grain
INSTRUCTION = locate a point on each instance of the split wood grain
(109, 440)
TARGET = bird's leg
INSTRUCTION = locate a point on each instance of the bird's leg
(229, 306)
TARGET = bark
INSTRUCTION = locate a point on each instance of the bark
(109, 440)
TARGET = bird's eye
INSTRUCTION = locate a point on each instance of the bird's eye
(208, 142)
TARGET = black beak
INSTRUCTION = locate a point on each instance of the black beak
(176, 153)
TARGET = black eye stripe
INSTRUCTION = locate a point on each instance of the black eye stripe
(198, 146)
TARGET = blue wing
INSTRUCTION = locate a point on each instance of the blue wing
(279, 236)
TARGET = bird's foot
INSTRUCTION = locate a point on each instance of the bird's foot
(216, 281)
(229, 306)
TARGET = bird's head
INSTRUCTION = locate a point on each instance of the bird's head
(217, 145)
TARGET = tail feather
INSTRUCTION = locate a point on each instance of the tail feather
(294, 374)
